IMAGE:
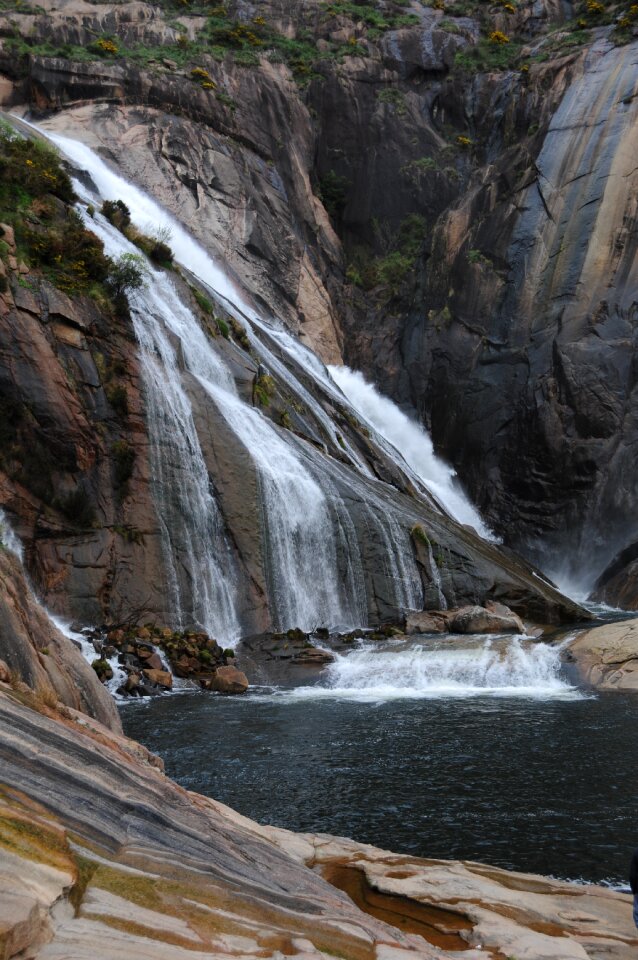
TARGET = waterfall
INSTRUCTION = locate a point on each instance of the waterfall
(413, 444)
(200, 567)
(300, 536)
(313, 562)
(8, 539)
(511, 668)
(436, 578)
(301, 544)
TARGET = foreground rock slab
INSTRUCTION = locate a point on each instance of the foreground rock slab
(607, 656)
(459, 905)
(102, 856)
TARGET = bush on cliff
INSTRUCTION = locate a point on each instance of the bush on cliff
(35, 193)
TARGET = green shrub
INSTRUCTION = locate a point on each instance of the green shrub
(333, 192)
(202, 301)
(77, 507)
(117, 213)
(118, 398)
(418, 533)
(394, 97)
(223, 327)
(263, 389)
(239, 333)
(126, 274)
(124, 460)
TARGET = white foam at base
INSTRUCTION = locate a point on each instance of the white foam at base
(522, 669)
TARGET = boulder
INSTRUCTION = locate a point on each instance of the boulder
(229, 680)
(607, 656)
(154, 662)
(314, 656)
(485, 620)
(161, 678)
(426, 621)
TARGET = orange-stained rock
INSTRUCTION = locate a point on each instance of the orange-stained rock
(229, 680)
(160, 677)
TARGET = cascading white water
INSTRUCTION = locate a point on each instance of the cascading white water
(436, 577)
(412, 442)
(299, 509)
(303, 568)
(149, 216)
(198, 558)
(485, 668)
(8, 539)
(300, 535)
(285, 374)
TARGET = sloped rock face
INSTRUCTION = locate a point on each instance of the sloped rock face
(244, 163)
(72, 413)
(535, 351)
(521, 288)
(607, 656)
(38, 655)
(102, 855)
(618, 583)
(151, 867)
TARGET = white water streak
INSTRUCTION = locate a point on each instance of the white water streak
(413, 444)
(305, 591)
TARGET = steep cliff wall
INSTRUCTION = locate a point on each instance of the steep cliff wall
(219, 494)
(418, 135)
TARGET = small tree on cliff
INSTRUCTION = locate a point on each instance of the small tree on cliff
(127, 273)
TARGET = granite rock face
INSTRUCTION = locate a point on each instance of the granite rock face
(512, 332)
(39, 656)
(607, 656)
(102, 856)
(520, 352)
(79, 485)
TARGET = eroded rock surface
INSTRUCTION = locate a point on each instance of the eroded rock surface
(607, 656)
(41, 657)
(102, 855)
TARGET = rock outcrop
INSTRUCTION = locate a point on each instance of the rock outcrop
(607, 656)
(39, 657)
(102, 855)
(498, 619)
(617, 585)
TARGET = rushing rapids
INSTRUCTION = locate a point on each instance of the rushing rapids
(480, 667)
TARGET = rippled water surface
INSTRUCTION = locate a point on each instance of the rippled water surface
(541, 784)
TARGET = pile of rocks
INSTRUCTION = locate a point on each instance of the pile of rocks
(152, 656)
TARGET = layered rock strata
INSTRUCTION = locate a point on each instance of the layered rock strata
(102, 855)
